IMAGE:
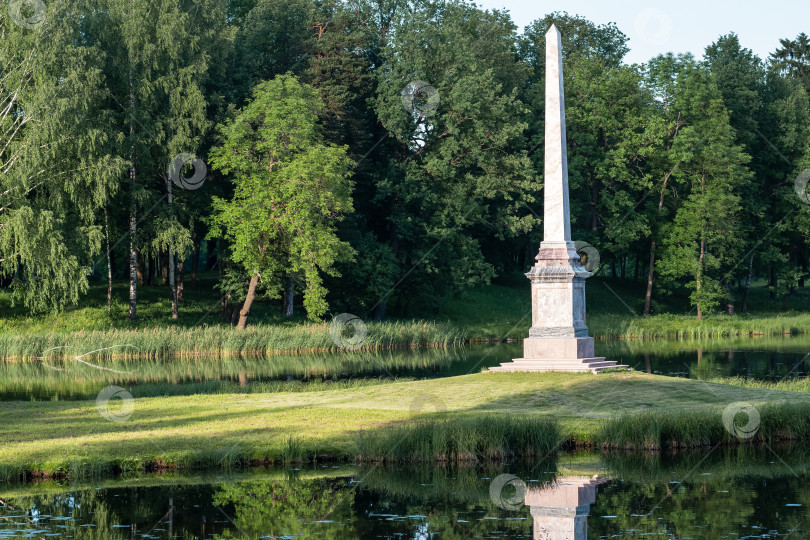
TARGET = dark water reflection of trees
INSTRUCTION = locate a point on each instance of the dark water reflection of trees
(707, 494)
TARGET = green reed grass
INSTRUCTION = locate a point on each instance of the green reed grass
(779, 421)
(791, 384)
(688, 327)
(220, 341)
(487, 438)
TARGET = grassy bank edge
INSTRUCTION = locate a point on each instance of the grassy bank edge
(460, 438)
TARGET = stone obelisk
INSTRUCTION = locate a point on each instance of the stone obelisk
(558, 339)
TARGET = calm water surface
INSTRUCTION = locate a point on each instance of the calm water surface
(712, 494)
(761, 358)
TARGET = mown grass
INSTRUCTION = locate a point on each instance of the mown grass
(486, 416)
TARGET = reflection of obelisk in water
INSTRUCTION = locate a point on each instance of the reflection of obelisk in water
(560, 511)
(558, 339)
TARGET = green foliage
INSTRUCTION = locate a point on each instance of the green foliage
(688, 164)
(709, 173)
(57, 170)
(290, 186)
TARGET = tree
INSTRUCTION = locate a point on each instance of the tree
(57, 169)
(702, 243)
(456, 169)
(289, 189)
(740, 77)
(156, 92)
(792, 59)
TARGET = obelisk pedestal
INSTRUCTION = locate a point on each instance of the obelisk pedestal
(558, 339)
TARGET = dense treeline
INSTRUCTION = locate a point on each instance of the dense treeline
(376, 157)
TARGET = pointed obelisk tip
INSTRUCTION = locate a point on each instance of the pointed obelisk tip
(553, 30)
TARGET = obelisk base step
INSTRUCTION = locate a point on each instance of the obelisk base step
(594, 365)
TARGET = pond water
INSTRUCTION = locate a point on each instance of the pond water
(769, 358)
(736, 493)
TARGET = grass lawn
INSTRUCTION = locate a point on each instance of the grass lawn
(227, 430)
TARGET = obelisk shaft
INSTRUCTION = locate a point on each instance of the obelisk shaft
(556, 222)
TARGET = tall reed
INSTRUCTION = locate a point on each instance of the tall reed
(219, 341)
(486, 438)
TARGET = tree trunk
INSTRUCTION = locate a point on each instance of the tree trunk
(211, 255)
(164, 268)
(133, 265)
(289, 296)
(702, 252)
(637, 258)
(109, 261)
(133, 220)
(150, 273)
(772, 281)
(251, 294)
(648, 296)
(180, 274)
(223, 303)
(195, 262)
(624, 265)
(697, 283)
(170, 261)
(382, 305)
(748, 284)
(141, 268)
(172, 284)
(730, 303)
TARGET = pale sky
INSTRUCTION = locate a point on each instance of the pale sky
(680, 25)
